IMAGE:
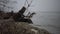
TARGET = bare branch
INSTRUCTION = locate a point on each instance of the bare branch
(4, 4)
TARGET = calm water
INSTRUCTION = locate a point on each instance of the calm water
(48, 20)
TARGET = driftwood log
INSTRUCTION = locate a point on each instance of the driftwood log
(18, 17)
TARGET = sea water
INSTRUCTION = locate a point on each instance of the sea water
(48, 20)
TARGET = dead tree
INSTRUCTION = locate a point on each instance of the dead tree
(20, 17)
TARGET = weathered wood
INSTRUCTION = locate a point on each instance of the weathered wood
(18, 17)
(22, 10)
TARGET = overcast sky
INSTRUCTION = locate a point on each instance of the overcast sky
(41, 5)
(37, 5)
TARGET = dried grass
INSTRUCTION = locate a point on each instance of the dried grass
(11, 27)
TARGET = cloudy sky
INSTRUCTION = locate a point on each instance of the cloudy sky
(39, 5)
